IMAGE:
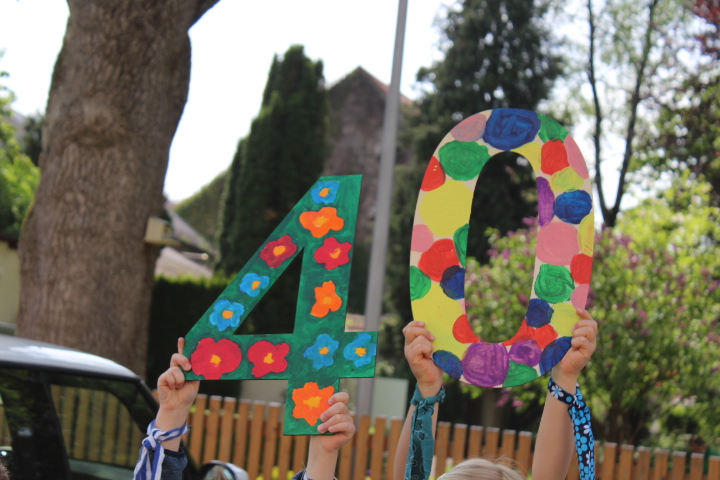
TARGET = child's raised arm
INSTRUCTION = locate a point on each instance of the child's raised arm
(323, 451)
(418, 352)
(555, 442)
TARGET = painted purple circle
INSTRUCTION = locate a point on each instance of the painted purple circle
(527, 352)
(575, 157)
(546, 199)
(422, 239)
(486, 364)
(470, 129)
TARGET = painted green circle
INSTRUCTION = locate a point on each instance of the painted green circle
(460, 239)
(463, 160)
(419, 283)
(554, 284)
(519, 374)
(550, 129)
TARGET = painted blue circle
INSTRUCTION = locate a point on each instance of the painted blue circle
(553, 353)
(449, 363)
(539, 313)
(509, 128)
(572, 207)
(453, 282)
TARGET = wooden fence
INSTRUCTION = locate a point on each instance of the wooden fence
(249, 434)
(96, 427)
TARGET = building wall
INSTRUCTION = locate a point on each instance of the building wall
(9, 283)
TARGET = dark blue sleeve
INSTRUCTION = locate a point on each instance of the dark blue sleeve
(173, 464)
(299, 475)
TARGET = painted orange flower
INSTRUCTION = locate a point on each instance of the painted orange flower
(311, 401)
(321, 222)
(326, 300)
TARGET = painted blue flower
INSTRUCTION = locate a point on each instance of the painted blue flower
(361, 351)
(322, 351)
(252, 284)
(226, 314)
(325, 192)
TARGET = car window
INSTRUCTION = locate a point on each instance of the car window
(96, 426)
(64, 426)
(31, 433)
(101, 424)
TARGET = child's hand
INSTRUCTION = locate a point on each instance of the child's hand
(337, 420)
(418, 352)
(174, 393)
(583, 345)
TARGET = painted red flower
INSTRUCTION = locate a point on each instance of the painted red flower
(333, 253)
(213, 359)
(277, 251)
(268, 358)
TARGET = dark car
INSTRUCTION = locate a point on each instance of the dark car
(69, 415)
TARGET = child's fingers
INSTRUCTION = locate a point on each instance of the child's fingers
(421, 347)
(416, 329)
(585, 331)
(338, 424)
(339, 397)
(584, 314)
(339, 408)
(584, 345)
(179, 360)
(181, 345)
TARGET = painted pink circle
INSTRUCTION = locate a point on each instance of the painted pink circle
(575, 157)
(470, 129)
(422, 238)
(579, 296)
(557, 243)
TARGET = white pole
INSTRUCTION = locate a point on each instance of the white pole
(376, 276)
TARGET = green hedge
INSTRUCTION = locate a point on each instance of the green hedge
(176, 305)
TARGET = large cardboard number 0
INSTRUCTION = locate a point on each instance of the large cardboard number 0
(563, 261)
(319, 352)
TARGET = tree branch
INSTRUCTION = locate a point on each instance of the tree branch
(634, 103)
(598, 112)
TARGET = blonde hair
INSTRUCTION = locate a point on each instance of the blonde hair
(483, 469)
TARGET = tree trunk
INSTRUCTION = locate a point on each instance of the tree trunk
(118, 91)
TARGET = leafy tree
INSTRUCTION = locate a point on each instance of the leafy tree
(654, 294)
(272, 169)
(688, 124)
(31, 141)
(630, 60)
(202, 209)
(118, 91)
(496, 55)
(18, 176)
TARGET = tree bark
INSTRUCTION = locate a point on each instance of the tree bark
(118, 90)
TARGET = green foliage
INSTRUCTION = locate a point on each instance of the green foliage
(272, 169)
(495, 57)
(654, 294)
(176, 306)
(31, 141)
(688, 124)
(202, 210)
(18, 176)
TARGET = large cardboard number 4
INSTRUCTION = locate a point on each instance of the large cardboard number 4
(319, 352)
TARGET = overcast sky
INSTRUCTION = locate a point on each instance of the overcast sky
(233, 46)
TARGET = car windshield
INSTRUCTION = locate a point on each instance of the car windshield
(65, 426)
